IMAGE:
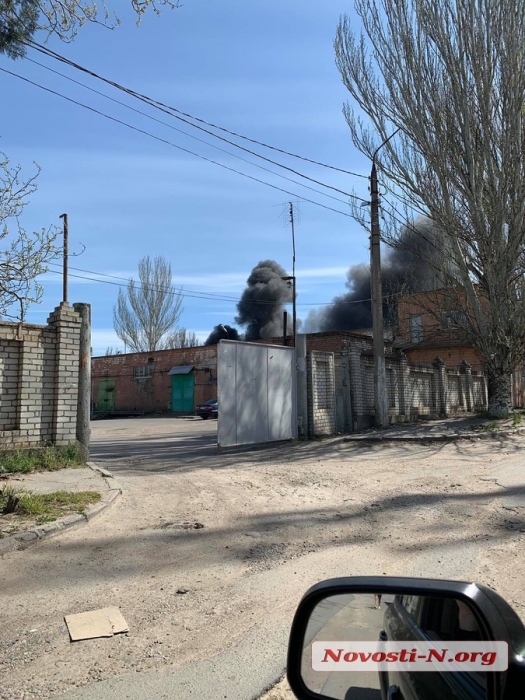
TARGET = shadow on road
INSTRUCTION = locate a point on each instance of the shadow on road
(169, 444)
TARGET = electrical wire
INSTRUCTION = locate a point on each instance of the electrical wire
(48, 52)
(169, 143)
(160, 288)
(185, 133)
(211, 297)
(170, 111)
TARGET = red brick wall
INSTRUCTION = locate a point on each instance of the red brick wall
(154, 394)
(331, 341)
(452, 356)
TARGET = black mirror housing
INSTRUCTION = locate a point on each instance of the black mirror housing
(497, 621)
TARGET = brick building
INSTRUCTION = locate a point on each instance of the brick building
(340, 381)
(425, 331)
(149, 382)
(176, 380)
(428, 329)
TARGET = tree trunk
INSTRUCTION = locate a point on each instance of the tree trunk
(500, 393)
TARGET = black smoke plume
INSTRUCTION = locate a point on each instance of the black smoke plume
(222, 332)
(413, 266)
(261, 306)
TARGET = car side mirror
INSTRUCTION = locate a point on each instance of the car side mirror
(389, 638)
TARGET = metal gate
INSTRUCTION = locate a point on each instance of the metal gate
(106, 396)
(182, 393)
(256, 393)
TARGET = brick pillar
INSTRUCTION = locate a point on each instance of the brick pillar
(66, 323)
(404, 384)
(310, 393)
(466, 371)
(440, 383)
(356, 392)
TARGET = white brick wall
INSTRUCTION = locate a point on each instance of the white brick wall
(321, 393)
(39, 380)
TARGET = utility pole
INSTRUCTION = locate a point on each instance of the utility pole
(380, 390)
(83, 430)
(65, 257)
(380, 393)
(293, 275)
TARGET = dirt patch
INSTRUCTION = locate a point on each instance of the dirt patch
(280, 691)
(438, 511)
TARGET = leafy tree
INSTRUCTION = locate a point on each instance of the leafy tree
(146, 314)
(21, 19)
(450, 76)
(24, 256)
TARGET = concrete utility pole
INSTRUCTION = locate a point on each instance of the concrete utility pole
(380, 394)
(380, 390)
(65, 256)
(84, 378)
(293, 275)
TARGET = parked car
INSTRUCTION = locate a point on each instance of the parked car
(207, 409)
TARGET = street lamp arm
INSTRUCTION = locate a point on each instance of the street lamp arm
(384, 144)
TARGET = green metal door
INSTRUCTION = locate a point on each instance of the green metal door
(106, 395)
(182, 393)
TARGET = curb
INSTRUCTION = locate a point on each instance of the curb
(23, 539)
(482, 435)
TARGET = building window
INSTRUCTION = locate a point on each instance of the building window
(143, 371)
(453, 319)
(416, 328)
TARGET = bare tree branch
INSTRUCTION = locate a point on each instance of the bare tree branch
(24, 256)
(146, 315)
(21, 19)
(451, 76)
(182, 338)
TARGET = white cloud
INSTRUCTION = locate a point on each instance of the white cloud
(102, 338)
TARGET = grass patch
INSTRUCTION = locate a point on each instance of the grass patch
(40, 459)
(44, 507)
(516, 419)
(486, 414)
(488, 427)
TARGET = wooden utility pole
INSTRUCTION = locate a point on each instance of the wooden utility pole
(84, 378)
(65, 257)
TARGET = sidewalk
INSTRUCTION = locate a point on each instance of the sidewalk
(90, 478)
(467, 427)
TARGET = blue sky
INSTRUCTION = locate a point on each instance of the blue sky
(265, 70)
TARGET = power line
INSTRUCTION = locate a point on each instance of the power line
(46, 51)
(205, 296)
(169, 143)
(169, 110)
(181, 131)
(157, 287)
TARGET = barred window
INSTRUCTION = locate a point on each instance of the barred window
(143, 371)
(453, 319)
(416, 328)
